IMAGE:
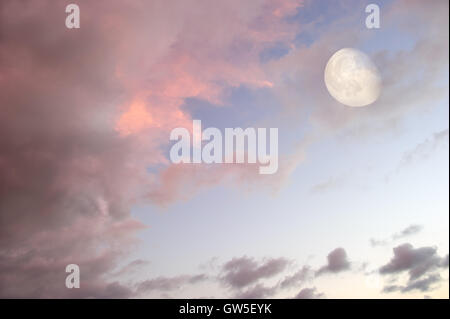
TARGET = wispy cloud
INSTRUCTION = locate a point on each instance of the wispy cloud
(407, 232)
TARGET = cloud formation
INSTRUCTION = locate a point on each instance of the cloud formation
(296, 279)
(258, 291)
(421, 264)
(309, 293)
(408, 231)
(424, 285)
(337, 261)
(241, 272)
(417, 261)
(86, 112)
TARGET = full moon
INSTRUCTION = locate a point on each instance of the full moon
(352, 78)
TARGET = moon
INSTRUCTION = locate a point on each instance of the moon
(352, 78)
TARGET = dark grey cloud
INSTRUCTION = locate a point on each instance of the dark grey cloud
(309, 293)
(417, 261)
(296, 279)
(445, 262)
(247, 276)
(244, 275)
(423, 285)
(258, 291)
(391, 288)
(422, 265)
(337, 262)
(244, 271)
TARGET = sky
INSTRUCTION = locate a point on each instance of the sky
(359, 206)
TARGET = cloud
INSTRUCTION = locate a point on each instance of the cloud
(421, 264)
(296, 279)
(113, 290)
(337, 262)
(391, 288)
(423, 285)
(445, 262)
(256, 292)
(377, 242)
(86, 112)
(241, 272)
(425, 148)
(247, 277)
(131, 267)
(417, 261)
(309, 293)
(408, 231)
(183, 181)
(168, 283)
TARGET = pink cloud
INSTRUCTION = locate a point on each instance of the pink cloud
(85, 112)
